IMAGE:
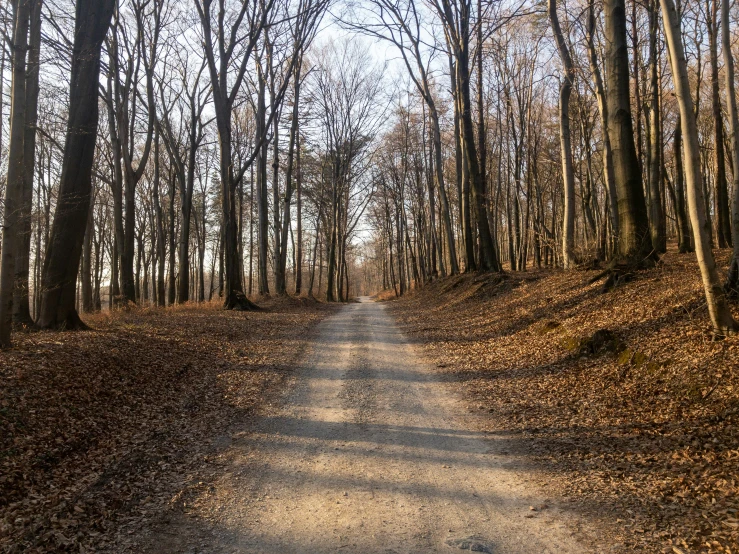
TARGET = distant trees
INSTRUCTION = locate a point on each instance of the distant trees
(242, 152)
(347, 92)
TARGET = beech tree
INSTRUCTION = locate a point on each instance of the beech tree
(568, 232)
(14, 190)
(721, 318)
(634, 239)
(456, 18)
(733, 278)
(92, 19)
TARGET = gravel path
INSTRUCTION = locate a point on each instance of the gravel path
(371, 453)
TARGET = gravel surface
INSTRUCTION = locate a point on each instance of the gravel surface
(370, 453)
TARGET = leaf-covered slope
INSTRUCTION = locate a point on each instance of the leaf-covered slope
(638, 424)
(102, 429)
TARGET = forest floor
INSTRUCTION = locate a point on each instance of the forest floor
(104, 429)
(636, 426)
(527, 413)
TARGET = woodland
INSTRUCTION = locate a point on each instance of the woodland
(201, 177)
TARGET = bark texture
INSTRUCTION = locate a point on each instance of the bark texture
(70, 219)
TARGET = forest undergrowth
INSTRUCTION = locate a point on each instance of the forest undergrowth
(104, 429)
(620, 403)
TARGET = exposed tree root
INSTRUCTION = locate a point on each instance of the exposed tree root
(620, 272)
(239, 302)
(70, 323)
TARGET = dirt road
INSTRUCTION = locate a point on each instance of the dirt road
(371, 453)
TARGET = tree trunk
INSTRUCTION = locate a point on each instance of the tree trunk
(68, 229)
(718, 308)
(719, 161)
(568, 228)
(683, 224)
(280, 275)
(439, 174)
(656, 213)
(262, 206)
(161, 241)
(732, 285)
(488, 255)
(634, 241)
(86, 277)
(21, 304)
(331, 279)
(299, 241)
(608, 172)
(16, 176)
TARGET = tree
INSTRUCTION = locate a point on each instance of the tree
(719, 161)
(568, 231)
(456, 20)
(634, 239)
(21, 305)
(600, 94)
(654, 181)
(718, 308)
(62, 261)
(16, 169)
(346, 90)
(182, 145)
(221, 55)
(401, 25)
(123, 99)
(732, 284)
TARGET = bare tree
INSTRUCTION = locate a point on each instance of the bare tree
(70, 218)
(718, 308)
(634, 239)
(456, 17)
(568, 71)
(732, 284)
(401, 24)
(15, 187)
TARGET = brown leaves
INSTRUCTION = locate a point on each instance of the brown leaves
(647, 432)
(99, 430)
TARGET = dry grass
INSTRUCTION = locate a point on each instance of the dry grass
(642, 432)
(100, 430)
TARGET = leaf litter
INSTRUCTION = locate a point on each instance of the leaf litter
(620, 403)
(102, 430)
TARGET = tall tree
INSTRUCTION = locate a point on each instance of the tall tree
(718, 308)
(124, 102)
(732, 284)
(182, 145)
(16, 178)
(654, 180)
(568, 175)
(634, 239)
(21, 304)
(600, 94)
(226, 49)
(62, 261)
(456, 17)
(719, 160)
(281, 271)
(401, 25)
